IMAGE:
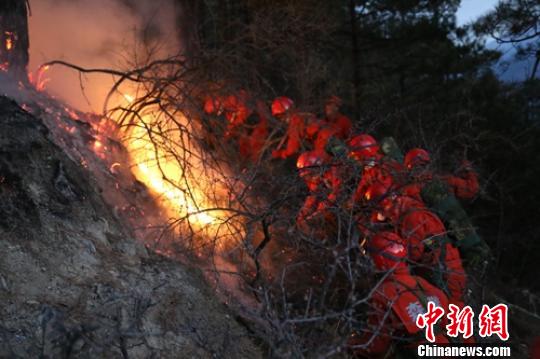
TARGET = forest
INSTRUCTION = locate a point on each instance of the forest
(293, 166)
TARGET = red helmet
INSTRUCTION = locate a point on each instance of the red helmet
(421, 228)
(416, 157)
(334, 100)
(363, 147)
(308, 164)
(281, 105)
(387, 251)
(310, 159)
(394, 207)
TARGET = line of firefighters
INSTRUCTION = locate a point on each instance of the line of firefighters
(400, 206)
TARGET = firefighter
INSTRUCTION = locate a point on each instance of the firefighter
(249, 127)
(253, 140)
(426, 237)
(440, 193)
(283, 109)
(14, 40)
(323, 185)
(335, 127)
(234, 107)
(335, 118)
(464, 185)
(427, 243)
(213, 105)
(237, 112)
(396, 302)
(364, 149)
(376, 170)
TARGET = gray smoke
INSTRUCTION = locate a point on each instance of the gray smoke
(97, 34)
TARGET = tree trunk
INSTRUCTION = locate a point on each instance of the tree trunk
(355, 59)
(188, 18)
(14, 40)
(535, 67)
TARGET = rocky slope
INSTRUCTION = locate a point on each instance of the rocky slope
(73, 283)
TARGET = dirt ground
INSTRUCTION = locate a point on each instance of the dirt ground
(73, 283)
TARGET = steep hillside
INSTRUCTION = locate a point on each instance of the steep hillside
(73, 283)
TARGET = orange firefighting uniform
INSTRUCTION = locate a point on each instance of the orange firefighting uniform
(237, 112)
(296, 132)
(323, 193)
(323, 184)
(377, 180)
(424, 234)
(406, 296)
(323, 130)
(464, 186)
(251, 143)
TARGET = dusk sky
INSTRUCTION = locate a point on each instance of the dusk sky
(471, 9)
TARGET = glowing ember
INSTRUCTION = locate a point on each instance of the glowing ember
(71, 113)
(115, 168)
(9, 40)
(39, 81)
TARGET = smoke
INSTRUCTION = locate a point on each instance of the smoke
(97, 34)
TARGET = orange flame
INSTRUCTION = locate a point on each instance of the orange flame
(9, 40)
(160, 172)
(39, 80)
(183, 193)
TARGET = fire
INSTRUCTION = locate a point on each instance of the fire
(114, 167)
(9, 40)
(182, 187)
(162, 154)
(71, 113)
(39, 80)
(163, 174)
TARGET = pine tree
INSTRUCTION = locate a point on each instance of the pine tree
(516, 22)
